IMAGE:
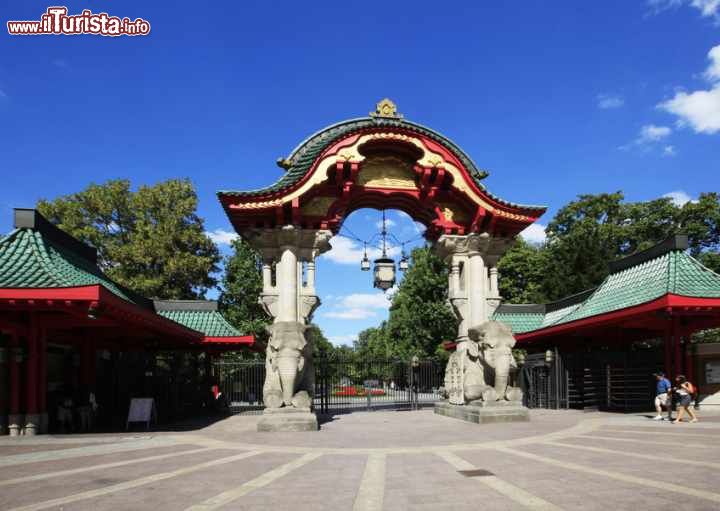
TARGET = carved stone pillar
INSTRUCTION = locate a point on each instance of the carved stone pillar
(468, 282)
(290, 300)
(289, 248)
(473, 294)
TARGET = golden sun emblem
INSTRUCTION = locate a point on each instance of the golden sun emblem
(386, 108)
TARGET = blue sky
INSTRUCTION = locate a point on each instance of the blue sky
(554, 99)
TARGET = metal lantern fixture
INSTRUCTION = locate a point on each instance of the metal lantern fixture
(365, 263)
(384, 273)
(403, 264)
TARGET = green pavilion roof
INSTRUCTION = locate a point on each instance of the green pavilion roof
(302, 157)
(200, 315)
(39, 255)
(635, 280)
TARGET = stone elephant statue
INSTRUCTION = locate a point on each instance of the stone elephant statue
(289, 375)
(496, 341)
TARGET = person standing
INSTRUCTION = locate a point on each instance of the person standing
(662, 396)
(685, 391)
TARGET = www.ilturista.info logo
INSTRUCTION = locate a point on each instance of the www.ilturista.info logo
(56, 21)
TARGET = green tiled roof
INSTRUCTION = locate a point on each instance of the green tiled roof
(199, 315)
(674, 272)
(28, 259)
(301, 159)
(520, 322)
(637, 280)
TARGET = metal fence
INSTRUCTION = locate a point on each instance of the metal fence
(342, 384)
(592, 380)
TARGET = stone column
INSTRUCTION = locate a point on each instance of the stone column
(473, 293)
(289, 374)
(468, 286)
(287, 280)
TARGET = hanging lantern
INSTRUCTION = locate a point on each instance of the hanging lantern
(365, 263)
(384, 274)
(403, 264)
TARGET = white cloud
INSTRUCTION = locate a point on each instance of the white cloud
(388, 223)
(707, 8)
(221, 236)
(358, 306)
(535, 233)
(347, 251)
(700, 109)
(343, 340)
(669, 150)
(679, 197)
(608, 101)
(649, 134)
(712, 73)
(653, 133)
(350, 314)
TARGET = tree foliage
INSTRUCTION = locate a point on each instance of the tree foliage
(150, 240)
(240, 289)
(589, 232)
(420, 318)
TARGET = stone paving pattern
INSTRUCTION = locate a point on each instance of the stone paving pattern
(561, 460)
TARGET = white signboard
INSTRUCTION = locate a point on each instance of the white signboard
(142, 409)
(712, 372)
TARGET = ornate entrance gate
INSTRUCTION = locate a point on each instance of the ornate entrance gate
(382, 162)
(342, 384)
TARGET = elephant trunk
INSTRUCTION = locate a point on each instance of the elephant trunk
(288, 371)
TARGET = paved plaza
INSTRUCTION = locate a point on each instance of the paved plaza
(372, 461)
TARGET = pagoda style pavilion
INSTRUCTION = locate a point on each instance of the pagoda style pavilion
(660, 294)
(55, 300)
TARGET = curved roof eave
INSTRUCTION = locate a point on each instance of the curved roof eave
(300, 164)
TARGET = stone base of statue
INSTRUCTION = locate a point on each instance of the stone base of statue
(288, 419)
(484, 412)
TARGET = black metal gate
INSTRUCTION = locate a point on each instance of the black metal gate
(593, 380)
(342, 384)
(240, 385)
(544, 380)
(346, 385)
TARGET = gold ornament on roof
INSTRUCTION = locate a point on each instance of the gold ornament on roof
(386, 108)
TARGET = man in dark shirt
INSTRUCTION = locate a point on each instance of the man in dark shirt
(662, 395)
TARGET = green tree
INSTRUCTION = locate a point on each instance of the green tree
(240, 289)
(150, 240)
(420, 318)
(522, 270)
(582, 237)
(321, 346)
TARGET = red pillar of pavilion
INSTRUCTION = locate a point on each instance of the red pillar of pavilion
(689, 359)
(32, 418)
(87, 361)
(678, 352)
(667, 344)
(42, 380)
(14, 360)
